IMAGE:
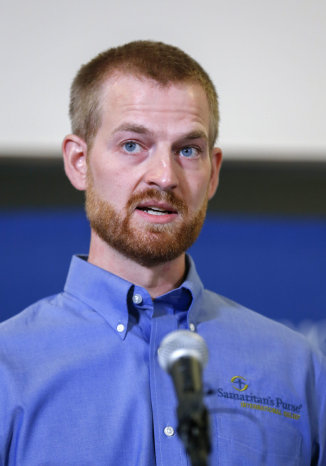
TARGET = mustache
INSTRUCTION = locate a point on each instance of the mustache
(152, 194)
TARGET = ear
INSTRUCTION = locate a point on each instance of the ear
(74, 150)
(216, 160)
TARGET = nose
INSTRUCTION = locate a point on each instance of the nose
(161, 170)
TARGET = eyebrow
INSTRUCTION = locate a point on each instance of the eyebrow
(197, 134)
(140, 129)
(126, 127)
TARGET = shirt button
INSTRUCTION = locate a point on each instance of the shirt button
(192, 327)
(169, 431)
(137, 298)
(120, 328)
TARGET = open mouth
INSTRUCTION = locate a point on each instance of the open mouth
(156, 210)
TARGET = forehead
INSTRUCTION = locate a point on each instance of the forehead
(128, 96)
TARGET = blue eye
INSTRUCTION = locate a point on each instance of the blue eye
(131, 147)
(189, 152)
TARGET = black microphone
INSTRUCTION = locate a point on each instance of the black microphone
(183, 354)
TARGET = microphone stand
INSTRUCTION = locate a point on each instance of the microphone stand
(193, 418)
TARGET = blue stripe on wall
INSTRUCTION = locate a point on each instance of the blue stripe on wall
(276, 266)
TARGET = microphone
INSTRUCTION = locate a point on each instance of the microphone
(184, 354)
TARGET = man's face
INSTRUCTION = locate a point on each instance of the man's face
(150, 170)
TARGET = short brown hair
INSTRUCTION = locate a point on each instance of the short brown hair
(161, 62)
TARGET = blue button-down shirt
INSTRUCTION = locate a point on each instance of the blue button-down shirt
(80, 382)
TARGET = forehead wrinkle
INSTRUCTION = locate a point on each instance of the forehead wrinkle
(157, 107)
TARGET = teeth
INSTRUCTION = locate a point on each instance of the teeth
(155, 211)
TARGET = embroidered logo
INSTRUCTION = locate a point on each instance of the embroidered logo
(258, 402)
(239, 383)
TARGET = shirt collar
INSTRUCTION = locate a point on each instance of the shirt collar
(109, 295)
(104, 292)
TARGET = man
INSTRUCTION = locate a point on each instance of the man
(80, 380)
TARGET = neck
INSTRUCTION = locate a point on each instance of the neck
(157, 280)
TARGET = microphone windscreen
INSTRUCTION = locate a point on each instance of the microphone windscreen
(180, 344)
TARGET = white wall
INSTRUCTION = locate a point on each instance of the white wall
(267, 59)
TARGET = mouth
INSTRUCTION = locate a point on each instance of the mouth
(154, 210)
(164, 212)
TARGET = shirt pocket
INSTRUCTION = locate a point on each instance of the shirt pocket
(243, 439)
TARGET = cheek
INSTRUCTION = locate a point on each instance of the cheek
(116, 190)
(107, 180)
(199, 190)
